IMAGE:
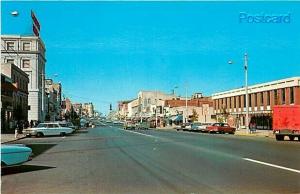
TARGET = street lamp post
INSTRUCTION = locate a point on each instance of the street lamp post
(186, 105)
(156, 108)
(246, 90)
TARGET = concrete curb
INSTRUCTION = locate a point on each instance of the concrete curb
(9, 141)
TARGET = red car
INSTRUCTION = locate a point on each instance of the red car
(220, 128)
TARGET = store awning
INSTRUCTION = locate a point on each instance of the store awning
(176, 118)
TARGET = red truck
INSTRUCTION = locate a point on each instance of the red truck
(286, 121)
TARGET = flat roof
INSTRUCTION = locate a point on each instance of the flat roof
(283, 83)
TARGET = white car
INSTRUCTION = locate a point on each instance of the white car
(45, 129)
(14, 154)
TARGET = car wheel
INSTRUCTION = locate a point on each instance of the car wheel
(292, 138)
(63, 134)
(39, 134)
(279, 137)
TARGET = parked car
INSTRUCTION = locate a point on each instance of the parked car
(199, 126)
(220, 128)
(68, 124)
(14, 154)
(143, 125)
(129, 125)
(184, 127)
(44, 129)
(195, 126)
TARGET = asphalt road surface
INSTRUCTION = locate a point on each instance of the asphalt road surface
(111, 160)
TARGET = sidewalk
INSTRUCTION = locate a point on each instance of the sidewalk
(6, 138)
(259, 133)
(239, 132)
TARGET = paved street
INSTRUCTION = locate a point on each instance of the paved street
(112, 160)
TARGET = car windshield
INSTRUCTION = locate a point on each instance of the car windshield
(42, 125)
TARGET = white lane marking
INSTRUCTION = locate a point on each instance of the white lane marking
(140, 133)
(272, 165)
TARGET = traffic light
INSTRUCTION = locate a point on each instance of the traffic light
(110, 107)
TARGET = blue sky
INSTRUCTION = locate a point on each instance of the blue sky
(108, 51)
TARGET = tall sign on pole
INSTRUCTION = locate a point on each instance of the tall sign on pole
(35, 24)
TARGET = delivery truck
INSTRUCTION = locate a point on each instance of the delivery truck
(286, 122)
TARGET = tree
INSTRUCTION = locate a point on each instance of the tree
(194, 116)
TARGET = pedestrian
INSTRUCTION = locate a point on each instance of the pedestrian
(17, 130)
(31, 123)
(26, 125)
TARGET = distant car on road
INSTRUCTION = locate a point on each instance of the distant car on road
(184, 127)
(199, 126)
(220, 128)
(14, 154)
(143, 125)
(45, 129)
(129, 125)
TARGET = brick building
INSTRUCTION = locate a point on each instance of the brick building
(19, 88)
(231, 105)
(203, 106)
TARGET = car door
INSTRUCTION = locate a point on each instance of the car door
(226, 128)
(57, 129)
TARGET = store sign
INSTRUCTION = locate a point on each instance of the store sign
(35, 24)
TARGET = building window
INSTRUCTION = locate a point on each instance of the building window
(234, 102)
(10, 46)
(26, 46)
(244, 101)
(12, 61)
(229, 102)
(283, 95)
(275, 97)
(26, 63)
(261, 99)
(268, 98)
(250, 100)
(255, 99)
(292, 101)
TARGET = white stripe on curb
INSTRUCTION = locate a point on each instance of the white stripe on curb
(272, 165)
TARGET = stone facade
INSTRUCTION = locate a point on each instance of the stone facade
(28, 53)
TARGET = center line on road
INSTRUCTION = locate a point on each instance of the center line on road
(140, 133)
(272, 165)
(134, 132)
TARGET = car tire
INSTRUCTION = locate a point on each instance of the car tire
(279, 137)
(62, 134)
(39, 134)
(291, 138)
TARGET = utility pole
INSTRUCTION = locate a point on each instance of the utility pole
(246, 88)
(155, 108)
(186, 106)
(43, 94)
